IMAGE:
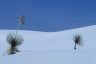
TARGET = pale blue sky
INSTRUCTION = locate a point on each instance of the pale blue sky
(48, 15)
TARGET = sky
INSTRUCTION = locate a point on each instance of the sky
(47, 15)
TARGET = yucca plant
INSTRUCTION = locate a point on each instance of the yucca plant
(14, 41)
(77, 40)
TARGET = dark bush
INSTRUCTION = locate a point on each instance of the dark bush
(77, 40)
(14, 41)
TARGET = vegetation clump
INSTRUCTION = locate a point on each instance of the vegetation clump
(77, 40)
(14, 41)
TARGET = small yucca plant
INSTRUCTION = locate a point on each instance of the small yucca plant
(14, 41)
(77, 40)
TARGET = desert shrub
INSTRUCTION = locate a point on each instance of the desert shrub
(77, 40)
(14, 41)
